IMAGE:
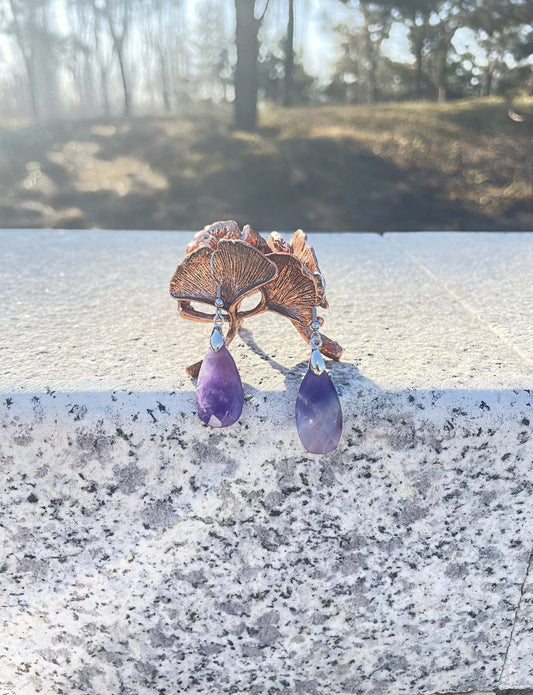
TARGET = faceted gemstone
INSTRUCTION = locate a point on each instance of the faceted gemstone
(219, 391)
(318, 413)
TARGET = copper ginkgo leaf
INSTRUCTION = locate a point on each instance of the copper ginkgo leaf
(306, 253)
(254, 239)
(241, 269)
(211, 233)
(301, 249)
(203, 238)
(277, 244)
(294, 291)
(228, 229)
(285, 272)
(298, 242)
(193, 279)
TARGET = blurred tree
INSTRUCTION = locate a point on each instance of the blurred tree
(103, 59)
(432, 25)
(361, 58)
(89, 56)
(502, 28)
(523, 13)
(159, 44)
(289, 57)
(118, 14)
(463, 75)
(272, 77)
(28, 22)
(77, 64)
(361, 46)
(175, 45)
(415, 15)
(79, 58)
(246, 76)
(162, 23)
(79, 54)
(212, 51)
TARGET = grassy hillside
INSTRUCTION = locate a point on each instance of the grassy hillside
(464, 165)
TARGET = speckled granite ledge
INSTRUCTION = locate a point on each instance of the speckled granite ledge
(143, 553)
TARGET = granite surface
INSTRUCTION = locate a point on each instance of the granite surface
(144, 553)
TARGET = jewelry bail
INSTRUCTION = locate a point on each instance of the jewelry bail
(217, 340)
(316, 361)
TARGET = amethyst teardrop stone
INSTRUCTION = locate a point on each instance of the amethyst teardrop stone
(219, 391)
(318, 413)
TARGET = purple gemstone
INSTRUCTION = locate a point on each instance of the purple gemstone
(219, 391)
(318, 413)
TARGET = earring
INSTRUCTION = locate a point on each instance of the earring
(219, 391)
(223, 265)
(318, 410)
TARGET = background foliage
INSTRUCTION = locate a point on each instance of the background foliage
(133, 113)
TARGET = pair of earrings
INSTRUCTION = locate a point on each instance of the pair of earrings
(228, 265)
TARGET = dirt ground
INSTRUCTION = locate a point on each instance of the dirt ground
(464, 165)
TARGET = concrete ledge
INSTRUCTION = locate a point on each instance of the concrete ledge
(145, 553)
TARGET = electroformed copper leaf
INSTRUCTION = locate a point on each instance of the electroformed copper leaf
(241, 269)
(306, 253)
(211, 233)
(286, 273)
(226, 229)
(298, 242)
(294, 291)
(278, 244)
(254, 239)
(193, 279)
(203, 238)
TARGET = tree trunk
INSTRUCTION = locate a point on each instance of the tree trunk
(441, 75)
(289, 58)
(373, 94)
(246, 69)
(105, 91)
(123, 76)
(32, 83)
(102, 68)
(118, 45)
(162, 59)
(370, 59)
(488, 85)
(29, 63)
(164, 80)
(418, 57)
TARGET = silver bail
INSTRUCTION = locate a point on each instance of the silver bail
(316, 362)
(217, 339)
